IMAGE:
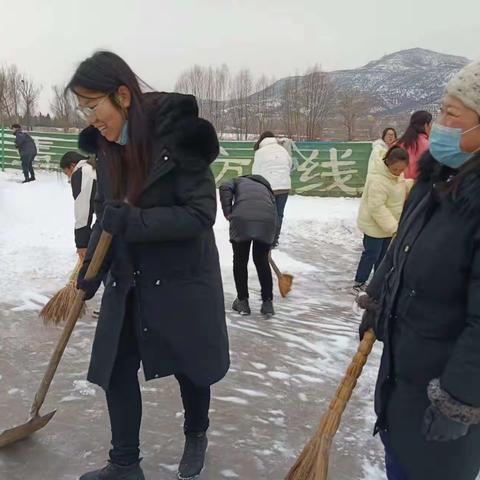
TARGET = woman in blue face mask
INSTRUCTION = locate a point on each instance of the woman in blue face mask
(424, 304)
(163, 304)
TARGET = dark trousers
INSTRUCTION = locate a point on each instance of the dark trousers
(393, 468)
(27, 166)
(125, 402)
(241, 254)
(281, 202)
(374, 249)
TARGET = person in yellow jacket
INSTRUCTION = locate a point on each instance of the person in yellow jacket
(382, 203)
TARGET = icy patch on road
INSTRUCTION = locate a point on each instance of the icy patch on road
(84, 388)
(30, 301)
(229, 474)
(236, 400)
(372, 472)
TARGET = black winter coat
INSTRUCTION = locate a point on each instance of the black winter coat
(429, 291)
(167, 257)
(249, 203)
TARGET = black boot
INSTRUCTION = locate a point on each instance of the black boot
(267, 308)
(241, 306)
(193, 456)
(116, 472)
(26, 180)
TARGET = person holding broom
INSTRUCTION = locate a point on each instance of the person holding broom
(163, 303)
(424, 304)
(83, 180)
(248, 203)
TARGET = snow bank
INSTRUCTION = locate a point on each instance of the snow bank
(38, 251)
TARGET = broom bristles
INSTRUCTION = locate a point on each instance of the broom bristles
(57, 309)
(304, 467)
(285, 284)
(312, 464)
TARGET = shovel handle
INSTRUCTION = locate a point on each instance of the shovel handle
(93, 269)
(277, 271)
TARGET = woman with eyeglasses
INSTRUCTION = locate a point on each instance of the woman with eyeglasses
(424, 304)
(163, 304)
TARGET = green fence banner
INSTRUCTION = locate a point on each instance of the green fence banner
(329, 169)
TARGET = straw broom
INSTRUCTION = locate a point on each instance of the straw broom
(312, 464)
(285, 280)
(56, 310)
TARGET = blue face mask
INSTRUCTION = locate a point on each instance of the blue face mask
(123, 138)
(445, 145)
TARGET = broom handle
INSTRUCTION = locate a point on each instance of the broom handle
(274, 266)
(339, 403)
(92, 271)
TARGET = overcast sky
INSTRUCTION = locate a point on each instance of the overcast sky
(161, 38)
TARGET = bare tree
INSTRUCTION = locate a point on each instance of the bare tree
(316, 101)
(10, 97)
(29, 93)
(291, 107)
(3, 94)
(242, 89)
(352, 103)
(197, 81)
(221, 88)
(262, 110)
(211, 87)
(64, 109)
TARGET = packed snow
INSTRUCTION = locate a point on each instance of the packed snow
(284, 370)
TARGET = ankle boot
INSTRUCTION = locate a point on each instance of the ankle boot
(113, 471)
(193, 456)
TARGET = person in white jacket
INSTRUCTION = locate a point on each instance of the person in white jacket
(83, 180)
(273, 163)
(380, 146)
(382, 204)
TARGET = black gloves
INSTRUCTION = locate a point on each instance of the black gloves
(115, 215)
(369, 319)
(438, 427)
(91, 286)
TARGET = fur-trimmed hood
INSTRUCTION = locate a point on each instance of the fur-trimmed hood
(467, 196)
(175, 124)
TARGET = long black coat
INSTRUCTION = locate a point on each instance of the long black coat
(429, 290)
(167, 257)
(249, 202)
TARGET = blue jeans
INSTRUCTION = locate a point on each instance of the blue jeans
(394, 470)
(374, 249)
(280, 201)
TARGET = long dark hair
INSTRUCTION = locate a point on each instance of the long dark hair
(418, 120)
(105, 72)
(396, 154)
(263, 136)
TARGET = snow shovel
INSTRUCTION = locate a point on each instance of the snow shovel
(312, 464)
(285, 280)
(37, 421)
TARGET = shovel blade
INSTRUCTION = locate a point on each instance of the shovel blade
(12, 435)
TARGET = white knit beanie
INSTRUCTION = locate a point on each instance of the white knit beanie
(465, 85)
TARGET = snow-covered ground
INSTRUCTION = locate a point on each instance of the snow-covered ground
(284, 370)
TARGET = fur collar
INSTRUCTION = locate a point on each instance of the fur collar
(467, 196)
(175, 125)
